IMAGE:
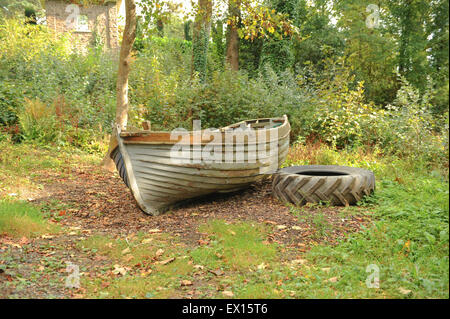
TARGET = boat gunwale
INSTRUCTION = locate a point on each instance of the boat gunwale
(164, 137)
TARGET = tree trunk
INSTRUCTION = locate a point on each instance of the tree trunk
(232, 57)
(129, 35)
(160, 27)
(200, 38)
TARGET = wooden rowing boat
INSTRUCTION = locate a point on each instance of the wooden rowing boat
(164, 168)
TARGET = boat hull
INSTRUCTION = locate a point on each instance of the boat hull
(161, 175)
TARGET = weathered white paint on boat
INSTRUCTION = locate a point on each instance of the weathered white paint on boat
(158, 177)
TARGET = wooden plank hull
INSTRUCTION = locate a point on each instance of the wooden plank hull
(162, 172)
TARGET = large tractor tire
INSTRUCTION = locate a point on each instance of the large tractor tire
(338, 185)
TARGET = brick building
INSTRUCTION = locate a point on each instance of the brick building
(88, 24)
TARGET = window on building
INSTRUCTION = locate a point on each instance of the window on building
(83, 23)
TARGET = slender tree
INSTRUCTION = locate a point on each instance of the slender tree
(129, 35)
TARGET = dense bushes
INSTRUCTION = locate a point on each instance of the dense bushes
(50, 94)
(226, 98)
(9, 103)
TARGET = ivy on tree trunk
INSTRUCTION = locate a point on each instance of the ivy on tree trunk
(200, 39)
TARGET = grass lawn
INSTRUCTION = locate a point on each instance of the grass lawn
(405, 245)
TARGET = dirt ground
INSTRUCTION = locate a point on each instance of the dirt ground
(100, 201)
(95, 201)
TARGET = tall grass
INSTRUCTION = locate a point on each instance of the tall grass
(18, 219)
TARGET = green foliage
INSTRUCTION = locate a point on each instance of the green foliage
(278, 54)
(439, 53)
(320, 38)
(409, 22)
(9, 103)
(371, 51)
(218, 43)
(254, 19)
(250, 54)
(200, 38)
(155, 15)
(328, 96)
(236, 246)
(409, 37)
(199, 52)
(342, 118)
(78, 99)
(140, 258)
(340, 113)
(407, 240)
(187, 30)
(21, 162)
(18, 219)
(9, 8)
(326, 102)
(343, 95)
(409, 244)
(38, 122)
(415, 130)
(87, 3)
(173, 101)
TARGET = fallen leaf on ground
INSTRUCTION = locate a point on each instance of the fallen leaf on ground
(296, 228)
(165, 262)
(298, 261)
(105, 284)
(23, 240)
(154, 230)
(262, 266)
(404, 291)
(281, 227)
(186, 283)
(145, 273)
(126, 251)
(119, 270)
(128, 257)
(99, 257)
(159, 252)
(227, 293)
(217, 272)
(332, 279)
